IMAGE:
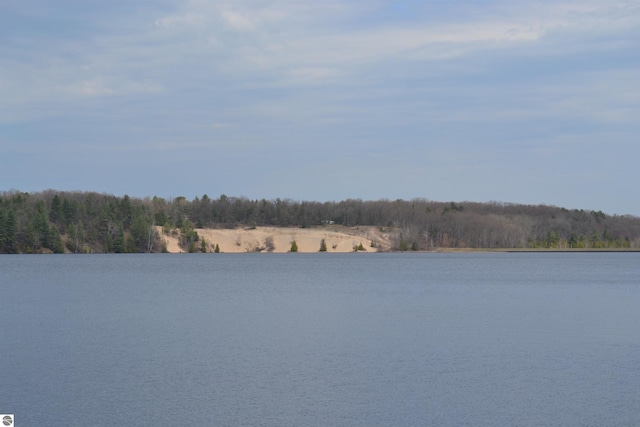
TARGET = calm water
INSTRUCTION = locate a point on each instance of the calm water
(321, 340)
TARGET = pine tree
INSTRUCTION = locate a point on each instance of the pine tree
(130, 244)
(139, 234)
(323, 246)
(56, 213)
(9, 233)
(40, 225)
(118, 242)
(56, 241)
(3, 230)
(294, 246)
(70, 211)
(72, 235)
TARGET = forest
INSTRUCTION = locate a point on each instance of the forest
(88, 222)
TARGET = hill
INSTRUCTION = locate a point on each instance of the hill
(280, 239)
(55, 221)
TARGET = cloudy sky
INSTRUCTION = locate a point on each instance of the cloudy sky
(534, 102)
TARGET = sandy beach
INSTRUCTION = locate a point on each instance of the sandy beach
(279, 239)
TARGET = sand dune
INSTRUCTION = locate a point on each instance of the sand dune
(279, 239)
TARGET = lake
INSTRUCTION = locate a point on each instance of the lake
(413, 339)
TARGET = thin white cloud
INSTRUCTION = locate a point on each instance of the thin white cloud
(189, 20)
(334, 62)
(285, 37)
(237, 21)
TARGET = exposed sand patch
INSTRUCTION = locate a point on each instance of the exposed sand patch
(278, 239)
(172, 242)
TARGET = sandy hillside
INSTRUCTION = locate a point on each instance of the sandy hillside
(278, 239)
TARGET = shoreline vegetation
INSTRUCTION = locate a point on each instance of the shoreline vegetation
(539, 250)
(87, 222)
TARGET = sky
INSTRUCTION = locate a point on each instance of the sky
(533, 102)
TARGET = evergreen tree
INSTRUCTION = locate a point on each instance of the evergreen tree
(81, 235)
(161, 217)
(72, 238)
(552, 239)
(56, 241)
(188, 234)
(40, 225)
(294, 246)
(3, 231)
(70, 211)
(130, 245)
(56, 213)
(125, 210)
(118, 241)
(139, 233)
(30, 240)
(9, 232)
(323, 246)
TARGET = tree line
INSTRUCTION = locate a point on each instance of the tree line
(55, 221)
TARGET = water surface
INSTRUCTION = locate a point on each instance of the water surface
(321, 339)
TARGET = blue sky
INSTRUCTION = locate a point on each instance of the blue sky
(523, 102)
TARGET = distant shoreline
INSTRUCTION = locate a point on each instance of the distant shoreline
(81, 222)
(543, 250)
